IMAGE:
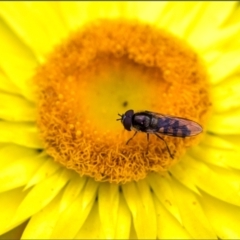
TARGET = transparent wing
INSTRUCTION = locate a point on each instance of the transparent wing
(175, 126)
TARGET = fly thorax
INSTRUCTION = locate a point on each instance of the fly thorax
(143, 120)
(146, 122)
(154, 122)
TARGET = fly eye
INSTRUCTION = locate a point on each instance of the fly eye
(127, 123)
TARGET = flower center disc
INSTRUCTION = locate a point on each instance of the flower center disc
(104, 69)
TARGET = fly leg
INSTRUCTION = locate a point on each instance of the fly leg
(131, 138)
(166, 145)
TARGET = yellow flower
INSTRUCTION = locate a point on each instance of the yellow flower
(61, 103)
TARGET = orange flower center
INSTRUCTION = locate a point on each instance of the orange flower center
(107, 68)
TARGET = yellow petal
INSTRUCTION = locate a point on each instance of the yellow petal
(225, 123)
(144, 11)
(17, 60)
(233, 139)
(192, 214)
(221, 142)
(167, 226)
(40, 28)
(72, 191)
(71, 11)
(108, 198)
(211, 56)
(220, 40)
(216, 156)
(178, 171)
(10, 200)
(47, 168)
(235, 16)
(162, 189)
(210, 18)
(75, 215)
(11, 152)
(42, 223)
(91, 229)
(17, 172)
(25, 134)
(16, 108)
(146, 198)
(142, 209)
(7, 85)
(207, 178)
(223, 216)
(124, 219)
(40, 195)
(226, 65)
(179, 23)
(87, 11)
(225, 95)
(14, 233)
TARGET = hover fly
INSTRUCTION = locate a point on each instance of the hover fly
(151, 122)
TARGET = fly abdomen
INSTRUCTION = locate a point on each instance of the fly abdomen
(173, 127)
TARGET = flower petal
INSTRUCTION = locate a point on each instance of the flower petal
(146, 198)
(91, 229)
(40, 195)
(224, 66)
(16, 60)
(210, 18)
(88, 11)
(11, 152)
(16, 232)
(179, 23)
(192, 214)
(139, 201)
(221, 142)
(16, 108)
(42, 223)
(178, 171)
(10, 200)
(225, 123)
(144, 11)
(235, 16)
(166, 223)
(17, 172)
(39, 33)
(108, 198)
(123, 219)
(233, 139)
(25, 134)
(216, 156)
(72, 190)
(225, 95)
(207, 179)
(75, 215)
(220, 41)
(223, 216)
(162, 188)
(7, 85)
(44, 171)
(70, 12)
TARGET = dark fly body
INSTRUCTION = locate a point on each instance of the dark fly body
(151, 122)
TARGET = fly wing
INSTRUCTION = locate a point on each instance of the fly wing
(176, 126)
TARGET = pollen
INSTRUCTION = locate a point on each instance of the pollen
(104, 69)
